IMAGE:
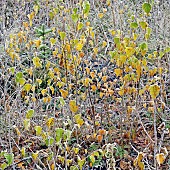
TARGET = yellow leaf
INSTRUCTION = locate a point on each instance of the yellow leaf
(25, 24)
(121, 92)
(86, 82)
(102, 131)
(92, 74)
(104, 10)
(68, 48)
(17, 131)
(151, 109)
(129, 110)
(39, 81)
(87, 70)
(101, 94)
(33, 88)
(73, 106)
(153, 72)
(154, 90)
(122, 58)
(80, 122)
(129, 51)
(48, 65)
(143, 52)
(23, 151)
(35, 7)
(35, 155)
(52, 166)
(64, 93)
(31, 16)
(36, 62)
(47, 99)
(93, 87)
(52, 89)
(83, 96)
(160, 158)
(50, 122)
(141, 165)
(104, 43)
(113, 32)
(69, 161)
(81, 54)
(37, 43)
(43, 91)
(53, 41)
(77, 117)
(118, 72)
(55, 52)
(135, 36)
(87, 23)
(104, 78)
(95, 50)
(60, 84)
(79, 47)
(100, 74)
(138, 70)
(100, 15)
(138, 161)
(51, 74)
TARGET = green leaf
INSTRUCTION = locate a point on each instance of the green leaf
(3, 166)
(18, 76)
(30, 114)
(62, 102)
(43, 47)
(86, 7)
(116, 40)
(92, 159)
(75, 17)
(73, 168)
(21, 81)
(67, 135)
(112, 54)
(161, 54)
(146, 7)
(49, 141)
(9, 158)
(62, 35)
(81, 162)
(26, 123)
(51, 15)
(80, 25)
(27, 87)
(59, 133)
(148, 30)
(143, 46)
(143, 25)
(12, 70)
(47, 31)
(148, 33)
(134, 25)
(75, 10)
(167, 50)
(38, 130)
